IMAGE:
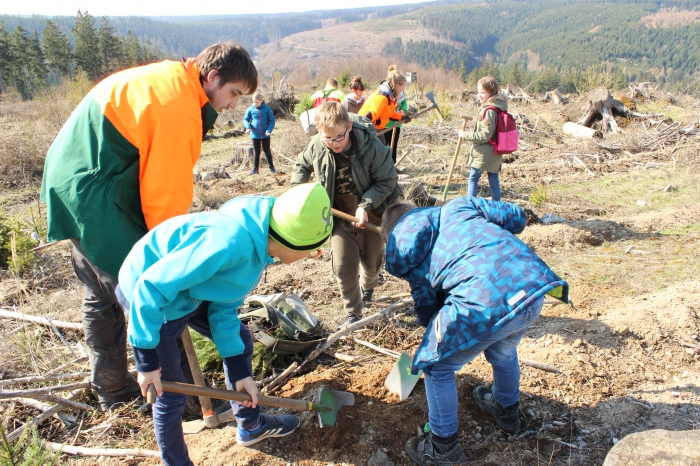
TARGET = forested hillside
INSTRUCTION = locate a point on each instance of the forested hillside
(567, 35)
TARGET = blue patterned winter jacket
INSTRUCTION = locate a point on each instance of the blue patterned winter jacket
(469, 274)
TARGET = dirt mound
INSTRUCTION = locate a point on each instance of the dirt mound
(558, 236)
(670, 218)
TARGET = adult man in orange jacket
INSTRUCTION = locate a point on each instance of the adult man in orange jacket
(121, 165)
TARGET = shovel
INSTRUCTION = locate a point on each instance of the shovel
(327, 406)
(400, 380)
(350, 218)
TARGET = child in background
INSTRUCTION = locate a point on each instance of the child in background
(330, 93)
(482, 156)
(477, 288)
(259, 121)
(380, 107)
(391, 138)
(195, 270)
(353, 101)
(359, 176)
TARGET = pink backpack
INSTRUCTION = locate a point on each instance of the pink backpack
(505, 140)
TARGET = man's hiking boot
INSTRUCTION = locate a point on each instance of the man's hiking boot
(507, 419)
(367, 295)
(350, 319)
(272, 426)
(433, 450)
(118, 398)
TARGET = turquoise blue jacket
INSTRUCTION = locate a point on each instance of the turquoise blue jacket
(209, 256)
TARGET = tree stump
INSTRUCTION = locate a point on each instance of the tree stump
(657, 447)
(601, 106)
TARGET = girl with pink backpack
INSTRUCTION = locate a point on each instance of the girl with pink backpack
(495, 134)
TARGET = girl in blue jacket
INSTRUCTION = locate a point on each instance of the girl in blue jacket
(259, 121)
(476, 288)
(195, 270)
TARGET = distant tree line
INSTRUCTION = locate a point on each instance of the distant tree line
(30, 62)
(569, 36)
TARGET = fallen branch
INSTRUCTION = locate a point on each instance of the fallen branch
(68, 364)
(580, 162)
(63, 401)
(41, 418)
(340, 356)
(40, 378)
(39, 320)
(42, 391)
(388, 312)
(378, 349)
(540, 365)
(281, 378)
(84, 451)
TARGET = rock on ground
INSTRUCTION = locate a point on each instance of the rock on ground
(657, 447)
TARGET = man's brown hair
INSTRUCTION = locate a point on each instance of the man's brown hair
(331, 114)
(392, 215)
(232, 62)
(332, 82)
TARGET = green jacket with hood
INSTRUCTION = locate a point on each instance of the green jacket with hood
(482, 155)
(372, 167)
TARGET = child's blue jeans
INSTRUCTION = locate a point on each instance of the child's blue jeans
(473, 184)
(501, 352)
(168, 409)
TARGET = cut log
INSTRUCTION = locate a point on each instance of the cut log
(555, 96)
(580, 131)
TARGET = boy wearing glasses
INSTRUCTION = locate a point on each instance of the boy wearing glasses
(358, 173)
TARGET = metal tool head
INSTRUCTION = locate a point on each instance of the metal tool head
(430, 95)
(400, 380)
(333, 400)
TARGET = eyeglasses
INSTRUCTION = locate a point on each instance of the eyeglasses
(336, 139)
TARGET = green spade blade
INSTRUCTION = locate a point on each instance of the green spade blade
(332, 400)
(400, 380)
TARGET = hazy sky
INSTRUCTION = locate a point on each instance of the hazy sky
(176, 7)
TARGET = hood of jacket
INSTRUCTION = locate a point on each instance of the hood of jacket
(385, 89)
(411, 240)
(497, 101)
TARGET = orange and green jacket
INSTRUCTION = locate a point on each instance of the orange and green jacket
(380, 107)
(123, 161)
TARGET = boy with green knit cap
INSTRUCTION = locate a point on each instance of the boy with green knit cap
(195, 270)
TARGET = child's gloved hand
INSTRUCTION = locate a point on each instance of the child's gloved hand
(147, 378)
(267, 133)
(247, 130)
(248, 385)
(460, 133)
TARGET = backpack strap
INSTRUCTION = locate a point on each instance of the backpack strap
(490, 107)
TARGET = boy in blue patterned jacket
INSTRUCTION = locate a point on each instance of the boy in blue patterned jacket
(476, 288)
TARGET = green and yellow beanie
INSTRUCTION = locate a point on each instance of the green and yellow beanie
(301, 219)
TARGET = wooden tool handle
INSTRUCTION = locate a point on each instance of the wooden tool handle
(197, 376)
(289, 403)
(151, 394)
(350, 218)
(465, 119)
(415, 115)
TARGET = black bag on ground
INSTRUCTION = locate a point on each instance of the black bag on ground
(281, 322)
